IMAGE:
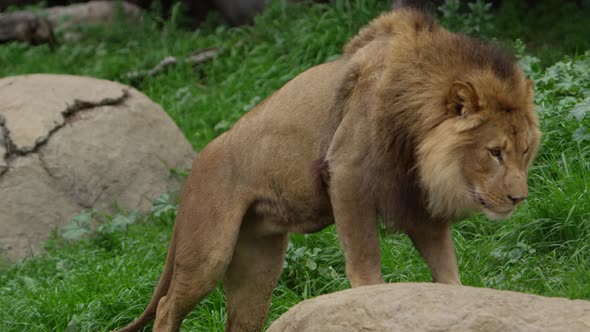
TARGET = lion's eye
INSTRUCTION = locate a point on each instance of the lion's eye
(497, 153)
(526, 150)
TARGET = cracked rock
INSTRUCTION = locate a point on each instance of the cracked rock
(3, 149)
(69, 143)
(34, 105)
(421, 307)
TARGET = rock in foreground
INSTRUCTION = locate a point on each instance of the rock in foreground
(70, 143)
(434, 307)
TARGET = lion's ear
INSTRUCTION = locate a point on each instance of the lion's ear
(462, 99)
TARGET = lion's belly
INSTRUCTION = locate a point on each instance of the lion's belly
(280, 176)
(271, 216)
(272, 149)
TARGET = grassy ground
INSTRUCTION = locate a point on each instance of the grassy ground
(104, 280)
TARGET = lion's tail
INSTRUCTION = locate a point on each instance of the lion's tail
(161, 290)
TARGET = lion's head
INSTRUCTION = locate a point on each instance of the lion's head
(455, 111)
(477, 159)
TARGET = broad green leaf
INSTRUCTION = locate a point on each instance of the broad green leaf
(311, 264)
(74, 231)
(580, 110)
(581, 134)
(120, 222)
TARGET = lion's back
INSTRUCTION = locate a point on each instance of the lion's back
(283, 135)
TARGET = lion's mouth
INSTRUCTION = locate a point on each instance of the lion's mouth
(483, 202)
(493, 213)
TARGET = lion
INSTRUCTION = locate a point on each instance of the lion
(413, 123)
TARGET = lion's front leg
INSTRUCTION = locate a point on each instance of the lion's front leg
(354, 210)
(356, 225)
(433, 241)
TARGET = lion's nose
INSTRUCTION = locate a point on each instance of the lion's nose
(516, 199)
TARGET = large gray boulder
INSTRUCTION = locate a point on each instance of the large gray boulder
(419, 307)
(71, 143)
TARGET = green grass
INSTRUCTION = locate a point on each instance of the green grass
(105, 280)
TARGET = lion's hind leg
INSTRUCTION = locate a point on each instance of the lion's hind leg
(207, 227)
(250, 279)
(199, 266)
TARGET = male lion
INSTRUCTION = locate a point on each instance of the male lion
(413, 123)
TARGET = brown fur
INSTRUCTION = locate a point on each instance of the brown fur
(416, 124)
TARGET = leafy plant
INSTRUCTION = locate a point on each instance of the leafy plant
(473, 18)
(563, 96)
(163, 205)
(79, 226)
(88, 223)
